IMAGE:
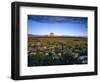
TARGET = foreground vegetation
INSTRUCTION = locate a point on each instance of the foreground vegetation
(44, 51)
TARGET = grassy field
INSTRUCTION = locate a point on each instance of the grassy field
(45, 51)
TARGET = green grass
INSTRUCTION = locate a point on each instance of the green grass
(61, 50)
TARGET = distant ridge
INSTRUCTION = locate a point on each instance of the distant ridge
(31, 35)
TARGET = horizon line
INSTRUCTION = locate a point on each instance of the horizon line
(57, 35)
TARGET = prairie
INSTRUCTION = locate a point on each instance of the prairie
(57, 50)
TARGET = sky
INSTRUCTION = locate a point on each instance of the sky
(59, 25)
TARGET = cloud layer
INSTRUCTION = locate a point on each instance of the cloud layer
(58, 19)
